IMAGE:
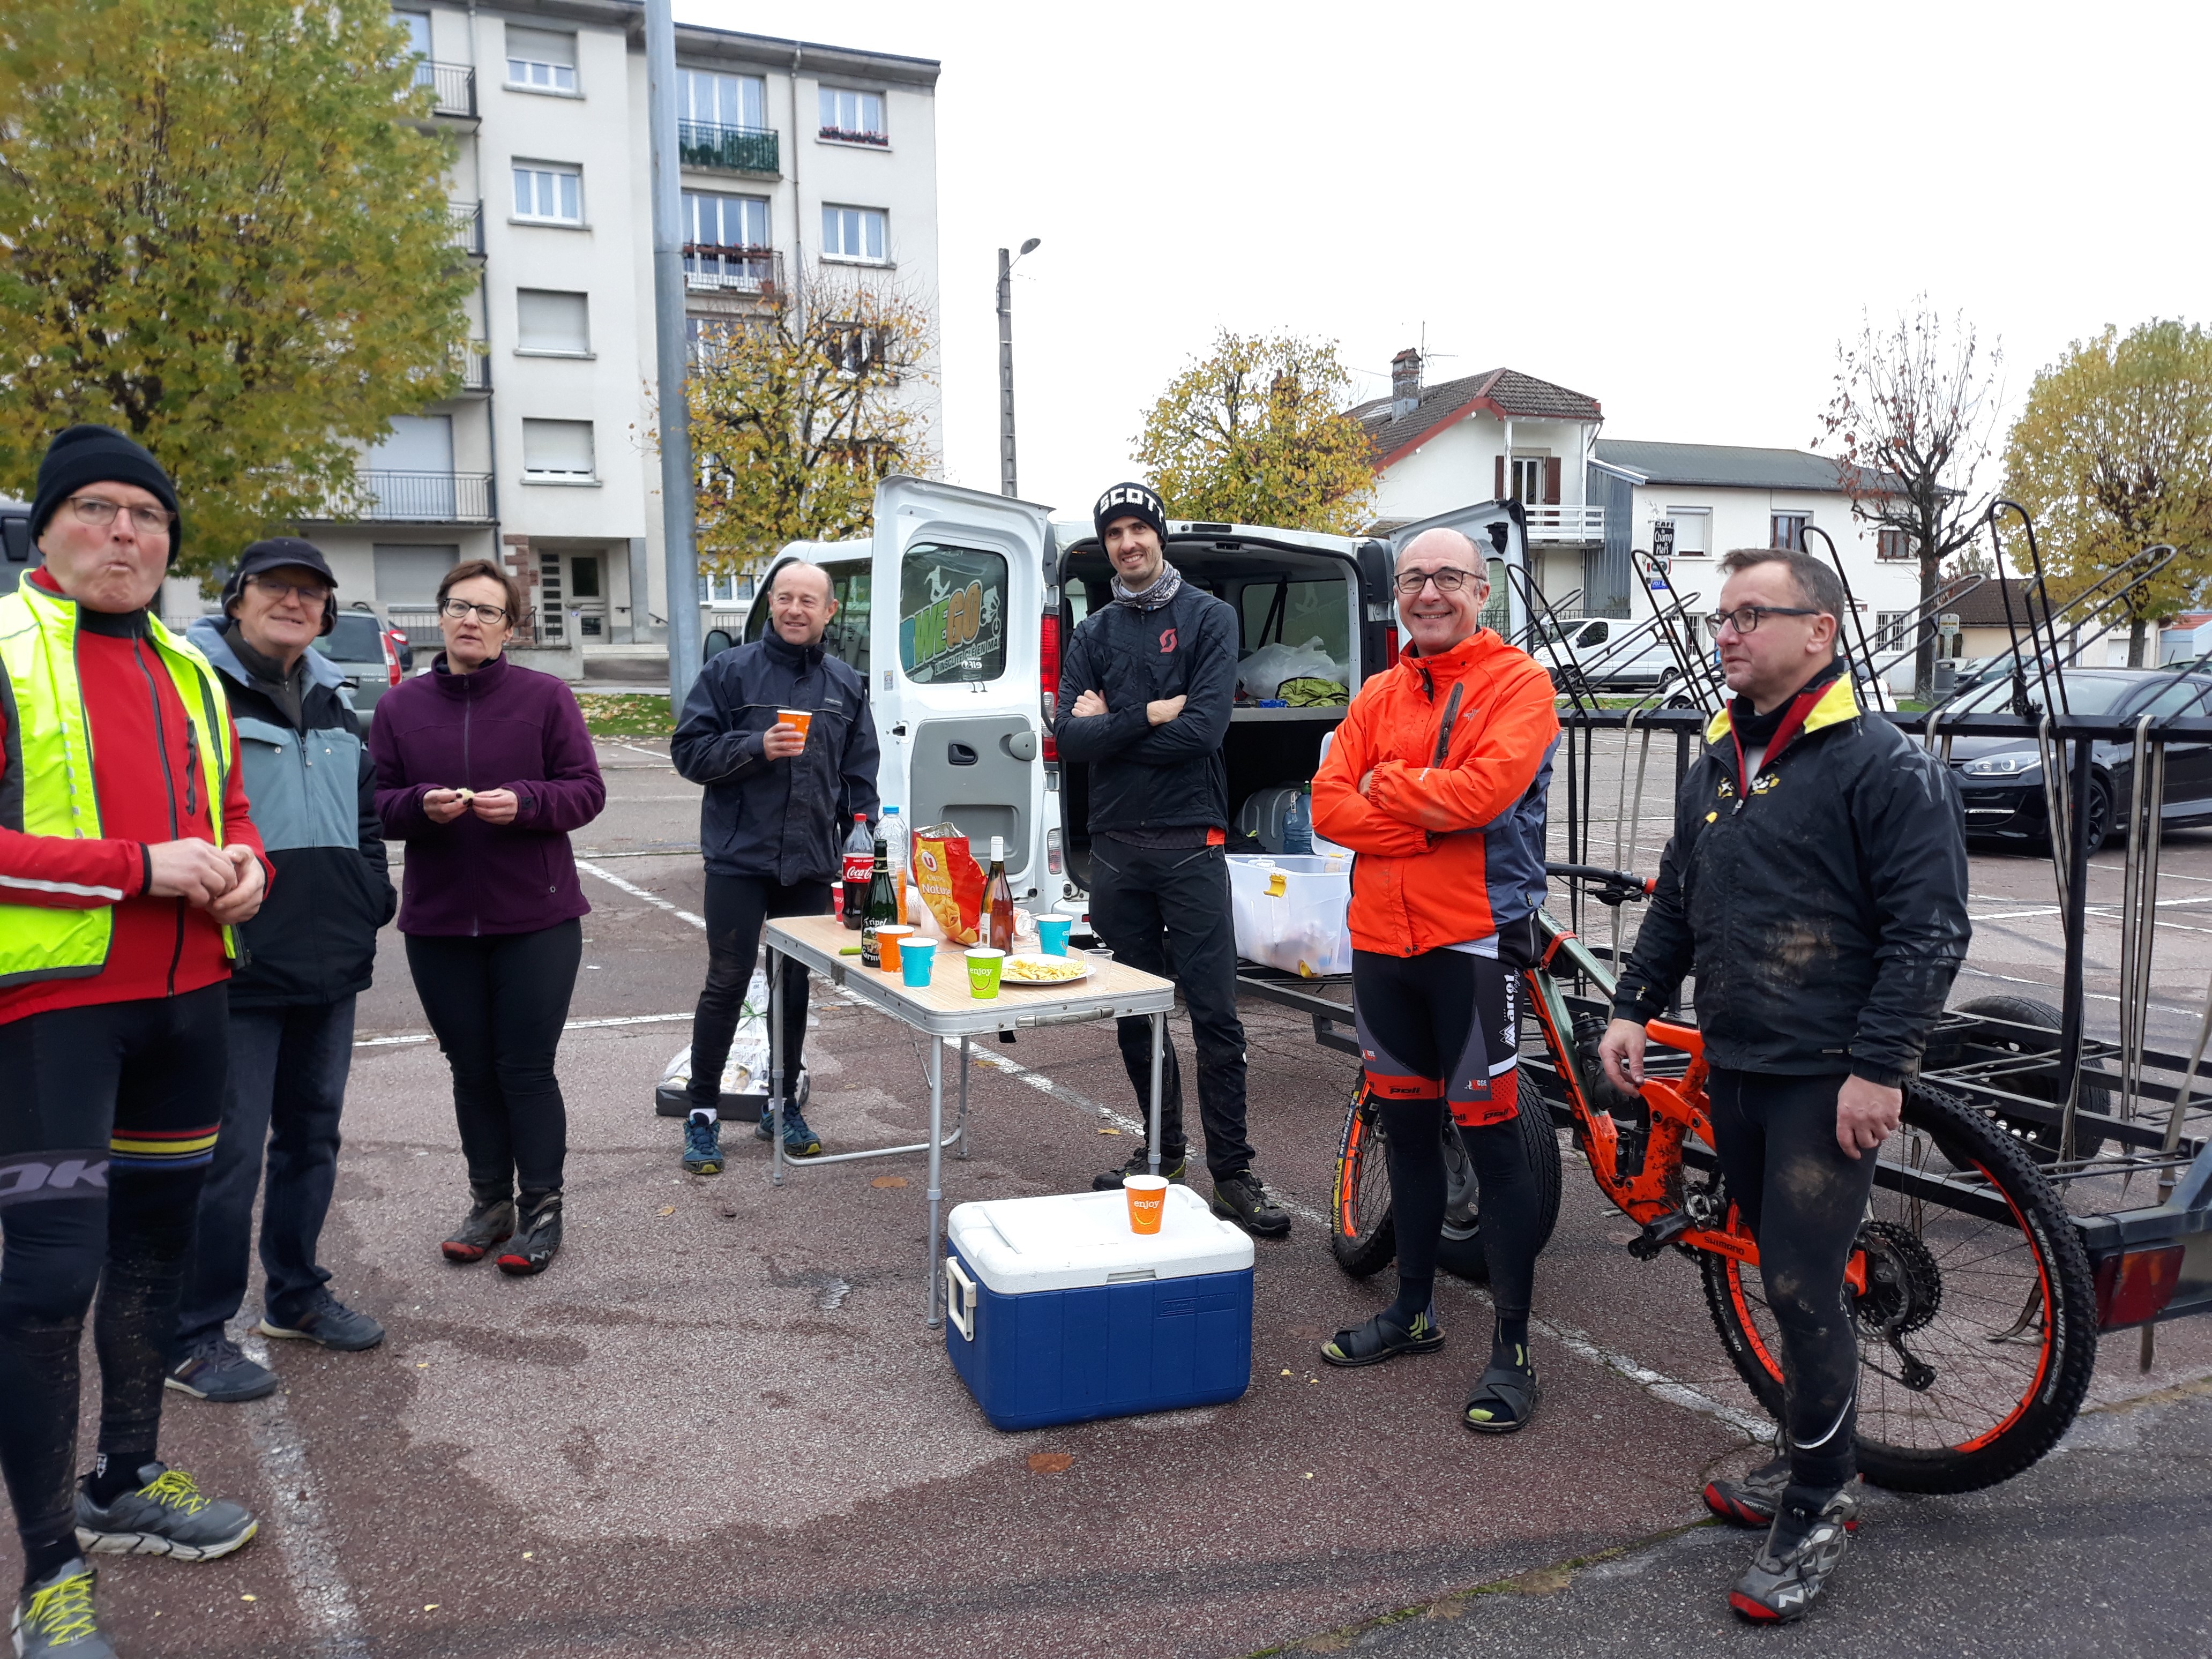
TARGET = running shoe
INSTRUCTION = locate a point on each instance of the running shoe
(1783, 1581)
(798, 1140)
(167, 1515)
(215, 1370)
(1172, 1165)
(536, 1240)
(53, 1617)
(328, 1323)
(491, 1221)
(1241, 1198)
(702, 1145)
(794, 1104)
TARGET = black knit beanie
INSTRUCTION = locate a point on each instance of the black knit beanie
(82, 455)
(1131, 500)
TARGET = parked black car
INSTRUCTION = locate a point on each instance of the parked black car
(2001, 778)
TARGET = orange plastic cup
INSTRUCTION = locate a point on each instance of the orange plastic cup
(1148, 1201)
(801, 718)
(887, 943)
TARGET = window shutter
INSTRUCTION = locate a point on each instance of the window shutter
(1497, 493)
(1551, 482)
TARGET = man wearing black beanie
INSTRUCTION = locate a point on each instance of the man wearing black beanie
(126, 859)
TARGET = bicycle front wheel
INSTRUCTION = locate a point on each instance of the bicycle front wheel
(1361, 1235)
(1978, 1327)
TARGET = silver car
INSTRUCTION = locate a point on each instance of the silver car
(372, 655)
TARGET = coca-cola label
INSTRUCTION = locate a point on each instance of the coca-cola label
(859, 867)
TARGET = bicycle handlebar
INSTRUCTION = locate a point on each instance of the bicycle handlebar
(1617, 885)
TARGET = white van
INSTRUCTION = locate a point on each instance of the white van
(954, 610)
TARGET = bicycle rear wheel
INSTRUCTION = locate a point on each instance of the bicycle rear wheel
(1360, 1233)
(1977, 1329)
(1460, 1250)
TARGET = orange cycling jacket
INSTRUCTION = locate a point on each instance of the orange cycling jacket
(1450, 832)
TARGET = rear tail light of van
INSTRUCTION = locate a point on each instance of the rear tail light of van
(1390, 646)
(390, 657)
(1052, 860)
(1049, 680)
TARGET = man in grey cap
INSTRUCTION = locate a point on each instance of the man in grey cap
(309, 952)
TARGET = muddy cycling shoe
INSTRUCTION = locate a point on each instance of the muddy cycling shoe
(490, 1222)
(1174, 1166)
(702, 1145)
(53, 1617)
(1792, 1567)
(1242, 1199)
(1505, 1397)
(1750, 1500)
(1383, 1337)
(536, 1239)
(167, 1515)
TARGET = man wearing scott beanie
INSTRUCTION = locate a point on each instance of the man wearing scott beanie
(126, 859)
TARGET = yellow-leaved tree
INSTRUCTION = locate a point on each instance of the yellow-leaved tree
(1255, 432)
(798, 408)
(221, 231)
(2114, 454)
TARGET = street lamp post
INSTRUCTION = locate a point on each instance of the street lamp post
(1006, 366)
(670, 357)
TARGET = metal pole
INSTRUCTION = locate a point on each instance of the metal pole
(1006, 374)
(775, 1059)
(937, 1177)
(1159, 1048)
(676, 481)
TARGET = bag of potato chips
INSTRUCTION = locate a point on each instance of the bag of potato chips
(951, 881)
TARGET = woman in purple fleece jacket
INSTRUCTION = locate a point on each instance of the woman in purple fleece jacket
(483, 768)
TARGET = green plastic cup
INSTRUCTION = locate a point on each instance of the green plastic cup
(984, 967)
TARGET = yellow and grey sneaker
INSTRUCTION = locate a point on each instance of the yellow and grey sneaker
(53, 1617)
(168, 1514)
(1793, 1565)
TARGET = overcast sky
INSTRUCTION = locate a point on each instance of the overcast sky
(1677, 209)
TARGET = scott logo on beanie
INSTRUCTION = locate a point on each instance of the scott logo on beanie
(1127, 500)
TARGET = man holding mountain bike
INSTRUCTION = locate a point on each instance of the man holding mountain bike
(1815, 885)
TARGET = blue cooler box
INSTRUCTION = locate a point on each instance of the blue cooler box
(1056, 1312)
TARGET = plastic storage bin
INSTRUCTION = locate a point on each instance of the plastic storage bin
(1055, 1312)
(1289, 912)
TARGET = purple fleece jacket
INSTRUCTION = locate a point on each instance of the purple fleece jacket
(501, 727)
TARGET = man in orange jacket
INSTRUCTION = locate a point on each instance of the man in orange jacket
(1437, 780)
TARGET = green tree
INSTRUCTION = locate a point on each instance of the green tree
(2114, 454)
(798, 412)
(1255, 433)
(224, 232)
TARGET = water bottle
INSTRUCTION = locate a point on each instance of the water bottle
(898, 844)
(1297, 823)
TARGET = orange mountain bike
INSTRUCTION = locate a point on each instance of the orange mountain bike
(1972, 1292)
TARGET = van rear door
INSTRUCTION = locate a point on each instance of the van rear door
(1500, 530)
(956, 637)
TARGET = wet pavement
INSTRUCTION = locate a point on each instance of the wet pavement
(719, 1424)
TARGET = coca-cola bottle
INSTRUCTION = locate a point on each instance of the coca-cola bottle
(860, 866)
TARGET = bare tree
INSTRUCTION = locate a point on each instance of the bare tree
(1912, 420)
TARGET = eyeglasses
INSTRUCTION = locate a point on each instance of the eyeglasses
(147, 521)
(1745, 618)
(459, 610)
(277, 590)
(1450, 580)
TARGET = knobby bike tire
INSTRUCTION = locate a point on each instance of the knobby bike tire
(1462, 1254)
(2010, 1354)
(2041, 1139)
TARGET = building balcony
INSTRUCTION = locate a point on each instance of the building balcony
(452, 88)
(1565, 524)
(389, 497)
(733, 149)
(468, 228)
(854, 135)
(731, 269)
(472, 363)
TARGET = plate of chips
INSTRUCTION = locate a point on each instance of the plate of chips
(1035, 970)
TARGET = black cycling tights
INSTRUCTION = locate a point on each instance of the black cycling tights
(107, 1123)
(1802, 1200)
(1435, 1030)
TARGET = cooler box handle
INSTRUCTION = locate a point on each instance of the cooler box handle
(960, 1297)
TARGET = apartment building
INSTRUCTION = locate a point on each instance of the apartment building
(794, 154)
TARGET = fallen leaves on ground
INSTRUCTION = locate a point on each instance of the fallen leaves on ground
(888, 1181)
(668, 1209)
(1109, 1131)
(1050, 1462)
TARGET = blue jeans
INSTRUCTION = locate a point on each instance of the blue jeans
(288, 1077)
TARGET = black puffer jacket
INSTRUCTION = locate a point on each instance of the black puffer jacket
(786, 820)
(1145, 776)
(1823, 913)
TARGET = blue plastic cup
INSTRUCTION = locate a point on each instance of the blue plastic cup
(915, 956)
(1052, 934)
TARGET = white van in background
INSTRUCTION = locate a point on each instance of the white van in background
(954, 609)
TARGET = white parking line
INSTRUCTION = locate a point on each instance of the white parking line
(635, 891)
(302, 1536)
(406, 1037)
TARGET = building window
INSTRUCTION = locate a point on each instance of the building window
(726, 241)
(850, 233)
(1889, 629)
(548, 321)
(549, 192)
(557, 452)
(1788, 531)
(1693, 536)
(540, 60)
(725, 587)
(853, 118)
(417, 25)
(408, 574)
(1893, 544)
(722, 100)
(705, 338)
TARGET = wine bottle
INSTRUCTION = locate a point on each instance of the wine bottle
(881, 905)
(860, 854)
(999, 898)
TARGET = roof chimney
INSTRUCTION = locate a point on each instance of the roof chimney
(1404, 383)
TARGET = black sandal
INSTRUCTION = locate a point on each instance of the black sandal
(1379, 1339)
(1506, 1397)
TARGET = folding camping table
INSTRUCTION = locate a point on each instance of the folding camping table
(941, 1011)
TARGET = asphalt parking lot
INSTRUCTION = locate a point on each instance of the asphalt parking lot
(719, 1424)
